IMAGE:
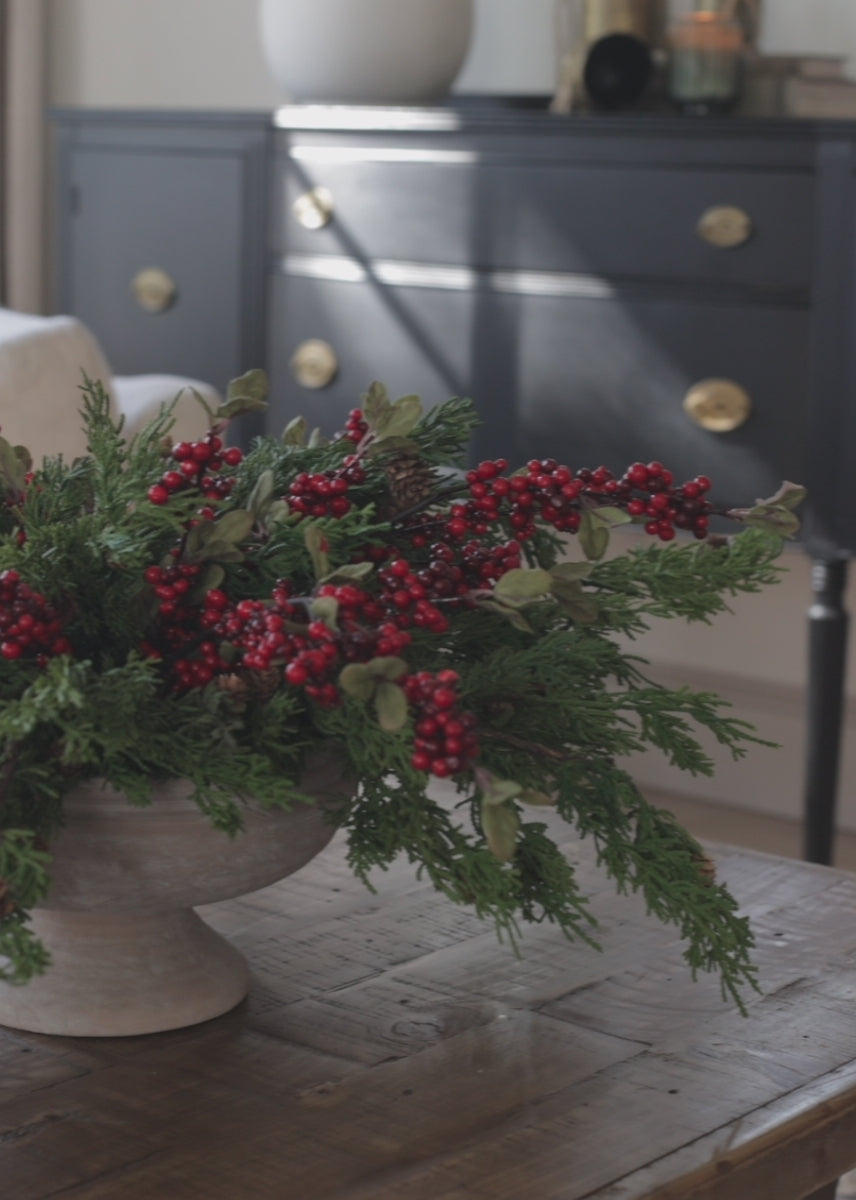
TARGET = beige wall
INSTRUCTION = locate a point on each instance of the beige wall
(204, 53)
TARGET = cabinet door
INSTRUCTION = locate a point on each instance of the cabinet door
(131, 206)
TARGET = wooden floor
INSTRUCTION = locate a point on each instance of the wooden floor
(713, 822)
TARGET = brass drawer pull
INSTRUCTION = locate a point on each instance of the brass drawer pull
(718, 405)
(314, 209)
(725, 226)
(154, 290)
(314, 363)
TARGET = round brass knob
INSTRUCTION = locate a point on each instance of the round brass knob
(314, 209)
(719, 405)
(725, 226)
(314, 363)
(154, 290)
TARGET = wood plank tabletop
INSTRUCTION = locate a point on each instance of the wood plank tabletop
(392, 1047)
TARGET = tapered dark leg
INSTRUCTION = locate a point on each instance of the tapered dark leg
(827, 650)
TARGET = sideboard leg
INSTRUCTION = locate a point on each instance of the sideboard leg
(827, 652)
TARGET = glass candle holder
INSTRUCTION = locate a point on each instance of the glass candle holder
(706, 51)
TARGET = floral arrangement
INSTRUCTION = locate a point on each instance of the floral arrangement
(198, 611)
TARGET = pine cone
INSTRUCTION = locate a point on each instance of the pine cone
(7, 904)
(263, 684)
(706, 868)
(411, 481)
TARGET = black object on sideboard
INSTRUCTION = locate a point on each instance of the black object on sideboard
(605, 288)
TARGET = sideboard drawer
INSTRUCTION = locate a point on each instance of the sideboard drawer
(612, 221)
(605, 380)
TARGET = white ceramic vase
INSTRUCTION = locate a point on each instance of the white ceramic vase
(129, 954)
(365, 51)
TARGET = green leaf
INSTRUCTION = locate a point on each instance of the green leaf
(575, 603)
(522, 584)
(246, 394)
(316, 439)
(501, 825)
(234, 527)
(295, 431)
(375, 404)
(12, 470)
(789, 495)
(510, 614)
(356, 680)
(326, 609)
(349, 572)
(212, 576)
(570, 572)
(316, 543)
(391, 706)
(494, 790)
(278, 511)
(24, 457)
(772, 518)
(260, 496)
(400, 418)
(612, 516)
(593, 534)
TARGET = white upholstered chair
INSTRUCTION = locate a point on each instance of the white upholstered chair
(42, 364)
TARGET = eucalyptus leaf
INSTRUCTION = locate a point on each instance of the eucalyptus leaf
(570, 572)
(326, 609)
(495, 790)
(357, 681)
(295, 432)
(279, 511)
(315, 541)
(246, 394)
(391, 706)
(24, 457)
(12, 470)
(576, 604)
(501, 825)
(235, 526)
(400, 418)
(511, 615)
(375, 404)
(789, 495)
(316, 439)
(349, 572)
(521, 583)
(593, 535)
(260, 496)
(612, 516)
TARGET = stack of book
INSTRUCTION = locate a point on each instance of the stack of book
(811, 86)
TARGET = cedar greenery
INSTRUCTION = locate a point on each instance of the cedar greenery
(538, 653)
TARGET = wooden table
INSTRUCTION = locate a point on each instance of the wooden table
(392, 1048)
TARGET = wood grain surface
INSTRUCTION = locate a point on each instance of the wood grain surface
(392, 1047)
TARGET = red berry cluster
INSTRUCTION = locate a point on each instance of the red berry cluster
(198, 465)
(551, 492)
(356, 427)
(29, 626)
(445, 741)
(324, 494)
(667, 507)
(407, 599)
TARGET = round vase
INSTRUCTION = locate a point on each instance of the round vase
(365, 51)
(128, 953)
